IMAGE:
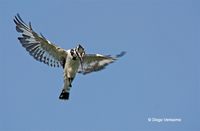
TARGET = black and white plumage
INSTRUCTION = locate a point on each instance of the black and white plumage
(73, 60)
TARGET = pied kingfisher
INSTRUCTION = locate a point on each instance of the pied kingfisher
(73, 60)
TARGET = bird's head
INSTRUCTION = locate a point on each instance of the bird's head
(80, 52)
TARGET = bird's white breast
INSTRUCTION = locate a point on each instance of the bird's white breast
(71, 66)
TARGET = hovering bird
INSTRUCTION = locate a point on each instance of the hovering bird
(73, 60)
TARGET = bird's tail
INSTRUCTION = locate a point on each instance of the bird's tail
(64, 95)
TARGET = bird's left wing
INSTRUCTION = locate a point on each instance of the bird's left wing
(40, 48)
(96, 62)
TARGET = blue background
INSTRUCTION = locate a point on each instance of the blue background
(157, 78)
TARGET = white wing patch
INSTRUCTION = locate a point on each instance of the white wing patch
(96, 62)
(38, 46)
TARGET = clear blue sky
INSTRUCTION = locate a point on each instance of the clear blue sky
(157, 78)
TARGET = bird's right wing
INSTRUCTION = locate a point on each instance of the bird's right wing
(96, 62)
(40, 48)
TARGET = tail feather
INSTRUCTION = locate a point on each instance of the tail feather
(64, 95)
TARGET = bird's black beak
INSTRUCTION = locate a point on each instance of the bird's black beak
(81, 59)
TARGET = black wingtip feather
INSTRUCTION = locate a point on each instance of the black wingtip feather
(42, 36)
(19, 30)
(121, 54)
(19, 18)
(30, 25)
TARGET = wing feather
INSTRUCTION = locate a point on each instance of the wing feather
(38, 46)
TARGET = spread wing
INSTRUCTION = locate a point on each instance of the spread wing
(40, 48)
(96, 62)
